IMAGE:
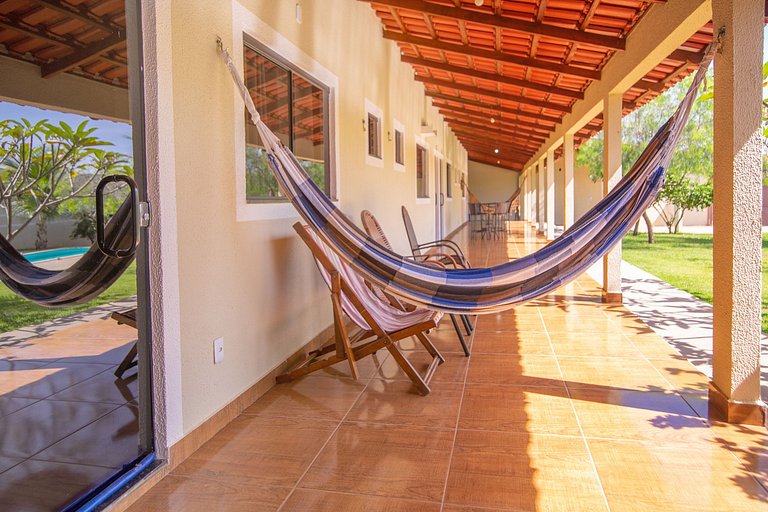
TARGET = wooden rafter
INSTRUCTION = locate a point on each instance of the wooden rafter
(493, 77)
(492, 54)
(82, 55)
(493, 129)
(480, 117)
(496, 107)
(80, 12)
(503, 22)
(493, 94)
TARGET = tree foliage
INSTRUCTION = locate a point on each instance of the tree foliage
(688, 185)
(44, 165)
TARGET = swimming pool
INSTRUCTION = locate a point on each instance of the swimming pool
(54, 254)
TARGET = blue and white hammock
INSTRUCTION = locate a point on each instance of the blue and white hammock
(482, 290)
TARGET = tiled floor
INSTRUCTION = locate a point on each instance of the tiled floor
(66, 422)
(566, 404)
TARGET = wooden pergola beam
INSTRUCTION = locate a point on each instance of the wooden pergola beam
(492, 106)
(449, 111)
(464, 49)
(81, 13)
(508, 142)
(492, 131)
(493, 77)
(503, 22)
(493, 94)
(82, 55)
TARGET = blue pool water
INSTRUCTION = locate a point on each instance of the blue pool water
(53, 254)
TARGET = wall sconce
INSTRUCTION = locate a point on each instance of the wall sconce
(427, 131)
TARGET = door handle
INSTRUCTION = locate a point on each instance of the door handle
(135, 221)
(442, 199)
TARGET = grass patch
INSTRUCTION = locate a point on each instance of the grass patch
(684, 261)
(16, 312)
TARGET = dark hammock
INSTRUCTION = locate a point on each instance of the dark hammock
(88, 277)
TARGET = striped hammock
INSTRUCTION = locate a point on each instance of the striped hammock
(481, 290)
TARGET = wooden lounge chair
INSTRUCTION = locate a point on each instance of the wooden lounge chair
(447, 252)
(373, 228)
(380, 325)
(130, 360)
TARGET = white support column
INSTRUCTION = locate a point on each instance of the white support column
(550, 180)
(611, 176)
(735, 390)
(524, 195)
(568, 164)
(541, 195)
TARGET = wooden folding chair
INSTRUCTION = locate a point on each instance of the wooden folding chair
(373, 228)
(380, 325)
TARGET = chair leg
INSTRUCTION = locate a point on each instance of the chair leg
(128, 362)
(460, 334)
(408, 368)
(467, 324)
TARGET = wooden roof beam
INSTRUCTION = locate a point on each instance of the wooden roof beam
(493, 77)
(493, 106)
(82, 55)
(503, 22)
(509, 166)
(81, 13)
(493, 94)
(499, 120)
(494, 130)
(464, 49)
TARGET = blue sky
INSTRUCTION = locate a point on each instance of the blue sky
(118, 134)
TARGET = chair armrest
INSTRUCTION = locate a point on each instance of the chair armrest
(446, 244)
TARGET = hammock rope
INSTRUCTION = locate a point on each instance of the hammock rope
(481, 290)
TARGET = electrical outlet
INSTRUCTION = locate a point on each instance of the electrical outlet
(218, 350)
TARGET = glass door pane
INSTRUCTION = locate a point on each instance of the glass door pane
(74, 374)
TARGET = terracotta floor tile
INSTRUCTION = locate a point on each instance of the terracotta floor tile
(507, 322)
(567, 344)
(110, 441)
(695, 477)
(7, 463)
(638, 374)
(303, 500)
(396, 403)
(104, 387)
(682, 374)
(625, 414)
(175, 493)
(383, 460)
(11, 404)
(311, 396)
(523, 472)
(520, 370)
(516, 409)
(41, 486)
(454, 369)
(34, 428)
(508, 342)
(44, 381)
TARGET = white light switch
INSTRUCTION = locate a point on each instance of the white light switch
(298, 14)
(218, 350)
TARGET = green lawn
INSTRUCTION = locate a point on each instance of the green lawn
(684, 261)
(16, 312)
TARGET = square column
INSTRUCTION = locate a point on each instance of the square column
(568, 188)
(524, 196)
(612, 108)
(550, 206)
(735, 391)
(541, 195)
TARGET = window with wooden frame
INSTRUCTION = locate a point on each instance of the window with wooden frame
(296, 108)
(422, 183)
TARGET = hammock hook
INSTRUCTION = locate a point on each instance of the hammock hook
(719, 39)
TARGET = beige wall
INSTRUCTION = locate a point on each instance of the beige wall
(586, 192)
(491, 184)
(253, 282)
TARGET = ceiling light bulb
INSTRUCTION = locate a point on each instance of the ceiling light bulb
(496, 151)
(493, 120)
(479, 3)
